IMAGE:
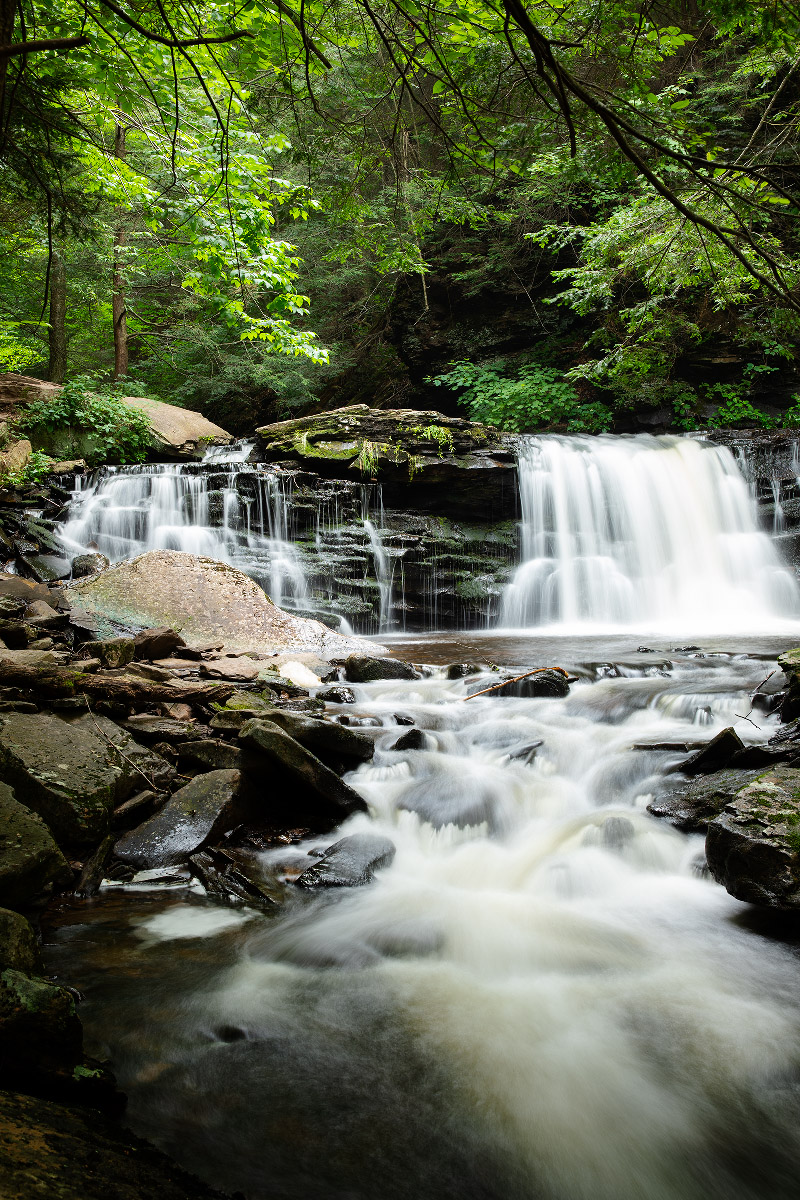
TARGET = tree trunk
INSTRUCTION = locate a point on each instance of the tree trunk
(57, 368)
(118, 310)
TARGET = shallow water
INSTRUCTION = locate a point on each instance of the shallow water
(542, 996)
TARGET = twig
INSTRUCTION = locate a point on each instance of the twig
(746, 716)
(516, 679)
(114, 746)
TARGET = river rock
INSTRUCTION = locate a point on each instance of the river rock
(18, 948)
(337, 695)
(237, 670)
(211, 755)
(31, 863)
(360, 668)
(350, 862)
(790, 662)
(206, 807)
(91, 563)
(157, 643)
(414, 739)
(178, 432)
(53, 1152)
(44, 616)
(153, 729)
(140, 764)
(208, 601)
(323, 738)
(17, 588)
(327, 792)
(67, 774)
(715, 755)
(753, 846)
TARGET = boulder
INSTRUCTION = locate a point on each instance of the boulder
(790, 662)
(91, 563)
(48, 567)
(324, 738)
(205, 808)
(40, 1034)
(753, 846)
(114, 652)
(157, 643)
(715, 755)
(163, 729)
(360, 668)
(211, 755)
(67, 774)
(350, 862)
(15, 458)
(44, 616)
(337, 695)
(48, 1150)
(18, 948)
(31, 863)
(178, 432)
(207, 600)
(237, 670)
(16, 588)
(326, 791)
(414, 739)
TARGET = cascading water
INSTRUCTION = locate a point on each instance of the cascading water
(642, 532)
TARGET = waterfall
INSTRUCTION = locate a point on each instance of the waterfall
(647, 532)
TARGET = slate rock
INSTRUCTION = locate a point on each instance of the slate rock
(17, 588)
(152, 729)
(140, 764)
(323, 738)
(691, 805)
(31, 863)
(237, 670)
(360, 668)
(205, 808)
(211, 755)
(316, 782)
(48, 567)
(18, 948)
(350, 862)
(64, 772)
(337, 695)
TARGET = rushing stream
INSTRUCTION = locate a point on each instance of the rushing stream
(541, 997)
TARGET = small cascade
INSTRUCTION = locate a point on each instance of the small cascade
(642, 532)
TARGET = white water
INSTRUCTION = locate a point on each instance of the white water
(541, 995)
(642, 532)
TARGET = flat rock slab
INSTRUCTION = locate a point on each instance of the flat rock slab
(178, 431)
(237, 670)
(208, 601)
(351, 862)
(142, 765)
(70, 776)
(316, 781)
(691, 805)
(323, 738)
(30, 861)
(753, 846)
(206, 807)
(163, 729)
(715, 755)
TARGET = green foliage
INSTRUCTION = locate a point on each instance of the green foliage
(36, 469)
(532, 398)
(439, 434)
(115, 431)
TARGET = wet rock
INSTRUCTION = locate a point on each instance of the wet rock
(55, 1152)
(232, 721)
(753, 846)
(317, 783)
(63, 772)
(250, 701)
(94, 869)
(350, 862)
(359, 668)
(717, 754)
(48, 567)
(690, 806)
(205, 808)
(137, 806)
(114, 652)
(157, 643)
(790, 662)
(525, 753)
(415, 739)
(462, 670)
(89, 564)
(224, 875)
(31, 863)
(549, 682)
(18, 948)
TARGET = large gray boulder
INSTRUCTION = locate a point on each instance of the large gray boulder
(350, 862)
(364, 668)
(314, 783)
(753, 846)
(31, 863)
(205, 808)
(208, 601)
(178, 432)
(67, 774)
(326, 739)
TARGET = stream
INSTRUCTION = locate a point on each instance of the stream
(543, 996)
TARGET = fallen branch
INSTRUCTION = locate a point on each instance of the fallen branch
(495, 687)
